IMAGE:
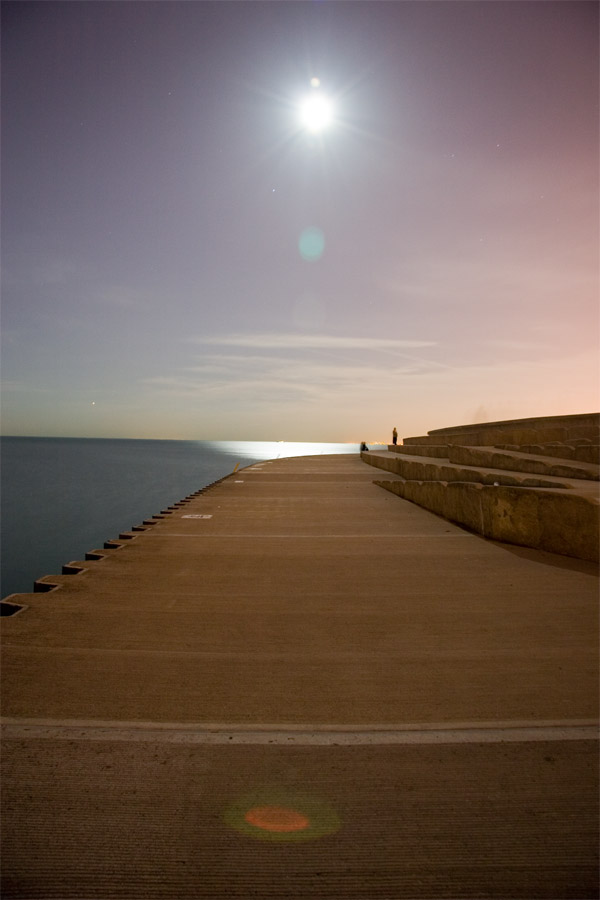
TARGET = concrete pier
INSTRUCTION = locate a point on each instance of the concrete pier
(296, 684)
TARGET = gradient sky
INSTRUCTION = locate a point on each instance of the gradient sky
(156, 181)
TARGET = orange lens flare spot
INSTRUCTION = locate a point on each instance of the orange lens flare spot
(276, 818)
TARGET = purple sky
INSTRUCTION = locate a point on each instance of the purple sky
(156, 181)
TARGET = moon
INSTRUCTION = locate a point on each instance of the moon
(316, 113)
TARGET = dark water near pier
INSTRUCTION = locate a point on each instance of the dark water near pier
(64, 496)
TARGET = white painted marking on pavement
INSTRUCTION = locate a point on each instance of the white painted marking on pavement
(321, 537)
(300, 736)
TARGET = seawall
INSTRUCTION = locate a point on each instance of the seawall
(296, 684)
(505, 481)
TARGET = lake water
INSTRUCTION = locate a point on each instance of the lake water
(64, 496)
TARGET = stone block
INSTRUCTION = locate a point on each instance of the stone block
(557, 522)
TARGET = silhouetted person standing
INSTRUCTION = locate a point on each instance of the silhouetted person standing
(394, 436)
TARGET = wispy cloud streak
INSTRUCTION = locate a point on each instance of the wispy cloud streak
(309, 342)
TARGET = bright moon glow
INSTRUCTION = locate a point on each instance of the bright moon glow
(316, 112)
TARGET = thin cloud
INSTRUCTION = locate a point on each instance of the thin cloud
(265, 379)
(310, 342)
(525, 346)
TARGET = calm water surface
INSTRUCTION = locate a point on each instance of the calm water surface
(64, 496)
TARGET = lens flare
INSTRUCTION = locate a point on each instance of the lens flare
(280, 814)
(311, 244)
(276, 818)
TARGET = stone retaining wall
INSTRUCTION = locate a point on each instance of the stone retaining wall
(547, 520)
(490, 478)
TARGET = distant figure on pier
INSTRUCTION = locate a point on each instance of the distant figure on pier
(394, 436)
(363, 446)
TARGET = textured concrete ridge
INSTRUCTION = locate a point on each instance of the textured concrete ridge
(523, 431)
(295, 684)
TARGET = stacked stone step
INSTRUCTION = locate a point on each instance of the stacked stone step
(581, 450)
(578, 451)
(495, 479)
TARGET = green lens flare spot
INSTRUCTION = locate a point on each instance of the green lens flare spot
(311, 244)
(280, 814)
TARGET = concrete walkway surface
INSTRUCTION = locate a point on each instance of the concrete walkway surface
(296, 684)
